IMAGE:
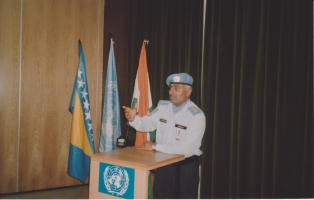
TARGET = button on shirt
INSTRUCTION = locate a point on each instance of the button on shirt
(177, 133)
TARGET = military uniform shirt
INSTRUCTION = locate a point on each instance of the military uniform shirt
(179, 133)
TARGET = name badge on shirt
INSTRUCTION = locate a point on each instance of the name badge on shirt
(163, 120)
(180, 126)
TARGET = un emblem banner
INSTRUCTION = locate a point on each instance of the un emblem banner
(116, 180)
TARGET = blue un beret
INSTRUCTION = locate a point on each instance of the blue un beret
(181, 78)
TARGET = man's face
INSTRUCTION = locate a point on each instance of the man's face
(178, 94)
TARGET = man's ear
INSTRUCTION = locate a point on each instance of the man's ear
(188, 93)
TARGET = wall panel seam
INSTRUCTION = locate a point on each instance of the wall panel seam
(97, 78)
(20, 99)
(202, 67)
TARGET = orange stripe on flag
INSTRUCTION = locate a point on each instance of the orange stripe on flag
(143, 104)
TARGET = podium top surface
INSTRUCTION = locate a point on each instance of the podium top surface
(137, 159)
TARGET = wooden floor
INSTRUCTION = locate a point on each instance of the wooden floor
(73, 192)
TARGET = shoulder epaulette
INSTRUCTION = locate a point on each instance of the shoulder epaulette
(194, 110)
(154, 111)
(163, 103)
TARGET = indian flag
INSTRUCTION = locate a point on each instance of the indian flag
(142, 96)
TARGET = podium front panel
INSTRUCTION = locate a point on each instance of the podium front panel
(123, 173)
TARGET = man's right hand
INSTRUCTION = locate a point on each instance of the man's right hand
(130, 112)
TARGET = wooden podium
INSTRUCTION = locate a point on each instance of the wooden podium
(123, 173)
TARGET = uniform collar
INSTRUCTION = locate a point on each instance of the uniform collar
(176, 109)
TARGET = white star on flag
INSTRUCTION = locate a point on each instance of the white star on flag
(87, 115)
(90, 126)
(81, 83)
(79, 73)
(86, 104)
(84, 94)
(92, 136)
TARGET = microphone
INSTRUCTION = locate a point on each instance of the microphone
(126, 136)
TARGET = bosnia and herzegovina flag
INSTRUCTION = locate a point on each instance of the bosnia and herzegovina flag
(82, 142)
(142, 96)
(111, 123)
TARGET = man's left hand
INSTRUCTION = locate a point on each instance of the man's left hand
(146, 146)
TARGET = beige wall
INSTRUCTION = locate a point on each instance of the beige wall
(38, 63)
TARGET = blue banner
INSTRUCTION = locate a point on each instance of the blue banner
(116, 180)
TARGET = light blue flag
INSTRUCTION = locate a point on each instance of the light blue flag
(81, 142)
(111, 124)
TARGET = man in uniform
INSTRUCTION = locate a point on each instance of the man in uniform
(180, 128)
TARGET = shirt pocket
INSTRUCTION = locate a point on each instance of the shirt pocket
(162, 125)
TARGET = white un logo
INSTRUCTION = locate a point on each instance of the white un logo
(116, 180)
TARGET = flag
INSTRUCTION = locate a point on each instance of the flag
(81, 142)
(142, 96)
(111, 124)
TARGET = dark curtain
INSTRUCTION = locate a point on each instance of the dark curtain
(117, 27)
(255, 87)
(258, 99)
(174, 31)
